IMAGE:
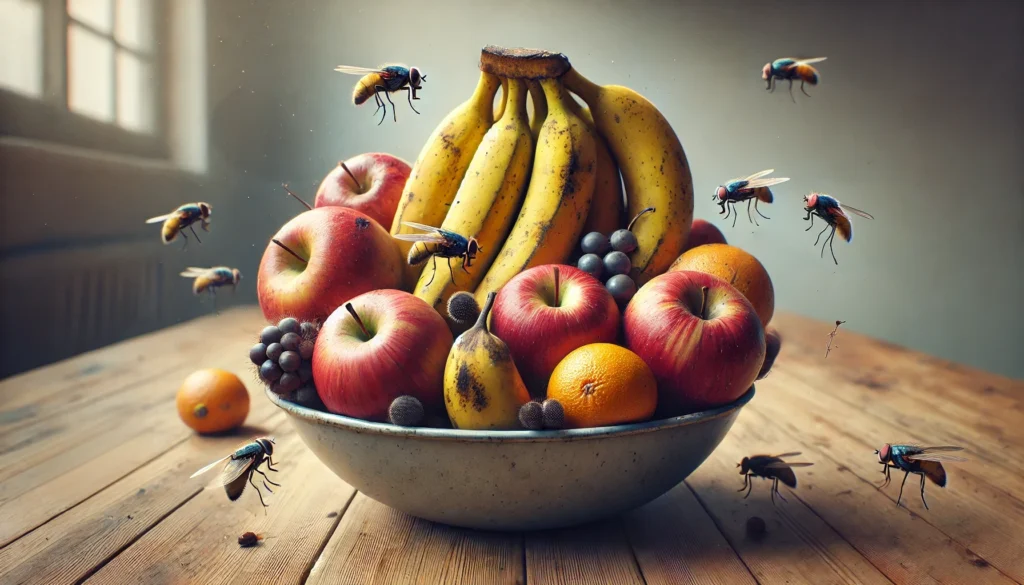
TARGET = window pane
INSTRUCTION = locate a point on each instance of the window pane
(99, 14)
(21, 46)
(90, 74)
(134, 93)
(134, 24)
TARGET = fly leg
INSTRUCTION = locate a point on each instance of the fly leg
(819, 235)
(888, 477)
(270, 463)
(185, 247)
(376, 91)
(736, 214)
(394, 112)
(746, 480)
(791, 91)
(905, 476)
(831, 239)
(922, 493)
(193, 230)
(465, 257)
(750, 485)
(811, 219)
(802, 88)
(267, 479)
(751, 217)
(450, 269)
(758, 210)
(258, 493)
(380, 103)
(409, 91)
(434, 258)
(726, 209)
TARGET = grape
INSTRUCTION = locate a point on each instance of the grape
(274, 351)
(290, 361)
(622, 287)
(595, 243)
(307, 396)
(270, 334)
(305, 373)
(623, 241)
(554, 414)
(591, 264)
(258, 353)
(270, 371)
(616, 263)
(406, 411)
(289, 325)
(291, 341)
(306, 349)
(289, 382)
(531, 416)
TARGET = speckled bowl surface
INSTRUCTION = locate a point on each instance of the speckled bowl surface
(513, 480)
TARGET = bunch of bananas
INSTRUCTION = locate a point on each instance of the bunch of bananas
(527, 187)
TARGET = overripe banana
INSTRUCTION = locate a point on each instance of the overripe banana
(441, 165)
(482, 387)
(487, 200)
(558, 198)
(540, 107)
(608, 207)
(654, 169)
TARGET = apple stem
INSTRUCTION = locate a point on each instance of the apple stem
(556, 286)
(643, 211)
(285, 185)
(354, 179)
(289, 250)
(703, 302)
(481, 321)
(352, 311)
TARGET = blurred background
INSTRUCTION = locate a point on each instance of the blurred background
(113, 111)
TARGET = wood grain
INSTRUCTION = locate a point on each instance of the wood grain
(595, 554)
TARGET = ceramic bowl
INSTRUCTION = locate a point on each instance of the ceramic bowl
(513, 480)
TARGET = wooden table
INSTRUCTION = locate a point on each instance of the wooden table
(95, 465)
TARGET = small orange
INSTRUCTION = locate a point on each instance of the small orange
(603, 384)
(737, 267)
(213, 401)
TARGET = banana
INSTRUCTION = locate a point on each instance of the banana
(487, 200)
(540, 107)
(442, 163)
(654, 169)
(499, 108)
(482, 386)
(558, 198)
(607, 208)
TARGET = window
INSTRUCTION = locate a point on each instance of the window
(84, 72)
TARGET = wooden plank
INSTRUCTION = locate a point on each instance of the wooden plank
(675, 542)
(798, 547)
(197, 543)
(75, 544)
(981, 507)
(376, 544)
(595, 554)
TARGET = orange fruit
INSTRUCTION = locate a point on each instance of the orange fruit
(737, 267)
(603, 384)
(212, 401)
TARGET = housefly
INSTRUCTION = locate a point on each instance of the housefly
(769, 467)
(923, 461)
(385, 79)
(240, 465)
(210, 279)
(183, 217)
(834, 213)
(753, 189)
(790, 69)
(447, 245)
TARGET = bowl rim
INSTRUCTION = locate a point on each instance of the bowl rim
(318, 417)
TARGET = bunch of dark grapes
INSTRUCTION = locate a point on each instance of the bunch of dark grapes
(284, 360)
(606, 259)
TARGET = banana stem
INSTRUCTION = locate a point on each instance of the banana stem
(703, 302)
(540, 107)
(354, 179)
(499, 111)
(289, 250)
(556, 286)
(483, 95)
(580, 85)
(516, 104)
(481, 321)
(285, 185)
(643, 211)
(554, 93)
(352, 311)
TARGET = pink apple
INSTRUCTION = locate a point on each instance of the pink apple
(546, 312)
(773, 344)
(333, 254)
(699, 335)
(703, 232)
(378, 346)
(374, 186)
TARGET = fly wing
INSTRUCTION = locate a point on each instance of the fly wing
(352, 70)
(808, 61)
(159, 218)
(940, 453)
(758, 183)
(759, 175)
(193, 271)
(863, 214)
(235, 469)
(420, 226)
(843, 226)
(934, 471)
(209, 467)
(434, 238)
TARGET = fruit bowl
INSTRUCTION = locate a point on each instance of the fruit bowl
(513, 480)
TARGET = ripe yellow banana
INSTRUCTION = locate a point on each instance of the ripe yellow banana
(558, 199)
(654, 169)
(442, 163)
(608, 207)
(482, 387)
(487, 200)
(540, 107)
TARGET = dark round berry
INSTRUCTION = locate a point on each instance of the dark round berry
(531, 416)
(591, 264)
(290, 361)
(308, 330)
(270, 334)
(615, 263)
(258, 353)
(595, 243)
(270, 371)
(289, 325)
(289, 382)
(463, 308)
(307, 396)
(622, 287)
(623, 241)
(306, 349)
(291, 341)
(756, 527)
(274, 351)
(554, 415)
(406, 411)
(305, 373)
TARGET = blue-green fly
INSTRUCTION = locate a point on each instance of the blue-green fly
(789, 69)
(183, 217)
(385, 79)
(240, 465)
(752, 189)
(923, 461)
(447, 245)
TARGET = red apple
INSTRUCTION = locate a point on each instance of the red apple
(699, 335)
(773, 344)
(703, 232)
(378, 346)
(546, 312)
(323, 258)
(371, 183)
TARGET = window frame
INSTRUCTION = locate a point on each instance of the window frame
(48, 117)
